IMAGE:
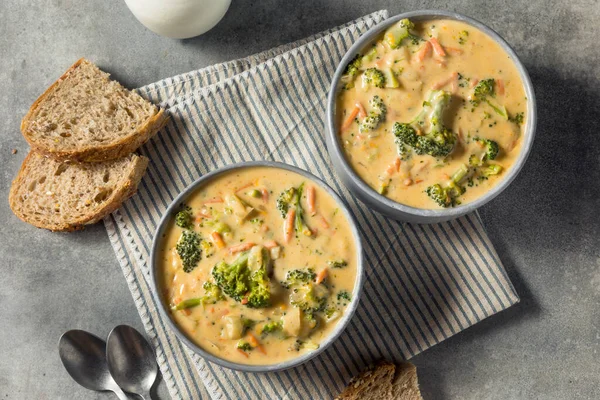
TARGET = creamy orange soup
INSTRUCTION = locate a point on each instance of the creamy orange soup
(258, 266)
(432, 115)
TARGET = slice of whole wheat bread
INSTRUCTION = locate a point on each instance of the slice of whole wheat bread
(85, 116)
(65, 196)
(384, 381)
(405, 385)
(374, 383)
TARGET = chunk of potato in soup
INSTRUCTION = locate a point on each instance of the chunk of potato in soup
(432, 115)
(258, 266)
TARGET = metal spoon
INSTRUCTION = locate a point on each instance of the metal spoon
(131, 360)
(84, 357)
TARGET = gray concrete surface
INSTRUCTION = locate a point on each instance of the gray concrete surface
(546, 227)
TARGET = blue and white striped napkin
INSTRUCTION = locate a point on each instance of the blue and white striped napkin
(424, 283)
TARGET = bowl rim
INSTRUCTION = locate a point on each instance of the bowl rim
(341, 324)
(399, 208)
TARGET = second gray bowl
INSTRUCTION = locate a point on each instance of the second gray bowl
(155, 270)
(382, 204)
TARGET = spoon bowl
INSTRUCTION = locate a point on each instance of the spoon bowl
(131, 360)
(84, 357)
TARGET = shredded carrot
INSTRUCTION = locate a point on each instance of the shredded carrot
(241, 247)
(454, 82)
(437, 47)
(310, 199)
(321, 275)
(255, 343)
(451, 79)
(244, 187)
(217, 239)
(500, 84)
(270, 244)
(362, 113)
(423, 52)
(350, 119)
(244, 300)
(324, 222)
(204, 213)
(212, 310)
(390, 169)
(474, 82)
(288, 226)
(187, 311)
(214, 200)
(397, 163)
(419, 181)
(253, 340)
(454, 51)
(265, 194)
(243, 352)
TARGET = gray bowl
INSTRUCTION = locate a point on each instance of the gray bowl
(381, 203)
(155, 270)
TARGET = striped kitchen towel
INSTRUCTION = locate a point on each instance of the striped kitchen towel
(423, 284)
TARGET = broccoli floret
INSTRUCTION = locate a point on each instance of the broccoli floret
(188, 249)
(305, 293)
(184, 218)
(299, 223)
(426, 134)
(376, 115)
(260, 285)
(369, 123)
(492, 169)
(483, 91)
(401, 30)
(352, 70)
(291, 198)
(475, 161)
(238, 281)
(517, 118)
(373, 77)
(310, 298)
(491, 148)
(207, 247)
(344, 296)
(272, 327)
(212, 293)
(462, 37)
(299, 277)
(378, 107)
(337, 264)
(285, 200)
(244, 346)
(447, 196)
(233, 279)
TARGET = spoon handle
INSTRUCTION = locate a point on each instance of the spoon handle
(120, 394)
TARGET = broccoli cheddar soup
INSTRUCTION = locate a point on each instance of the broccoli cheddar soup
(432, 114)
(258, 266)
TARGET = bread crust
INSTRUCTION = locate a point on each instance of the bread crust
(96, 153)
(119, 195)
